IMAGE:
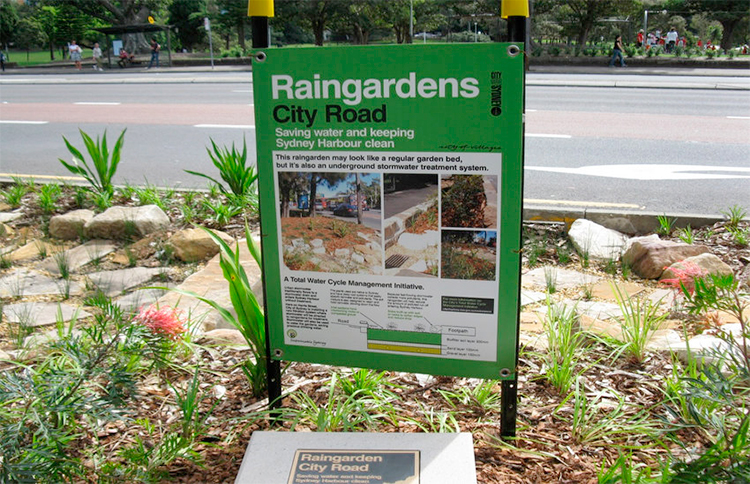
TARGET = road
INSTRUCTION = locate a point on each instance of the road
(637, 148)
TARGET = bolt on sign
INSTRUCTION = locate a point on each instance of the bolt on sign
(390, 189)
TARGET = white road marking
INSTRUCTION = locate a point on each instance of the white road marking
(738, 117)
(226, 126)
(653, 172)
(575, 203)
(97, 104)
(242, 90)
(5, 121)
(539, 135)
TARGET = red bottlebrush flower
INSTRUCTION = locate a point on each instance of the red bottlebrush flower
(163, 322)
(684, 276)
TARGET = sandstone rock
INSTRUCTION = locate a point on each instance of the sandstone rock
(6, 231)
(600, 243)
(710, 264)
(210, 283)
(192, 245)
(703, 347)
(69, 226)
(126, 222)
(34, 249)
(648, 258)
(564, 278)
(226, 336)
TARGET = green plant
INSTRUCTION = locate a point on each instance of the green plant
(102, 200)
(222, 212)
(666, 224)
(434, 421)
(249, 319)
(340, 229)
(686, 235)
(550, 279)
(741, 237)
(484, 396)
(338, 413)
(104, 168)
(564, 344)
(15, 193)
(48, 197)
(62, 262)
(610, 266)
(592, 424)
(640, 319)
(232, 165)
(150, 195)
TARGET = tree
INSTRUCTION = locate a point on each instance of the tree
(187, 18)
(8, 21)
(583, 15)
(28, 35)
(233, 14)
(317, 14)
(361, 18)
(290, 185)
(728, 12)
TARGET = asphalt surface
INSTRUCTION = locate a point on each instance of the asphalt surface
(659, 77)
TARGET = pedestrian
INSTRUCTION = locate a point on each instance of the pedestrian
(97, 54)
(617, 52)
(671, 40)
(2, 60)
(76, 54)
(155, 47)
(639, 39)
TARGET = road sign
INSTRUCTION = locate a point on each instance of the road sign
(406, 255)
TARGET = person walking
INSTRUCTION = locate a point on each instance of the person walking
(155, 47)
(97, 54)
(76, 54)
(2, 61)
(671, 40)
(617, 52)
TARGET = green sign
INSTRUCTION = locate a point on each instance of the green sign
(390, 189)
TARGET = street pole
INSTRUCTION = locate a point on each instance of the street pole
(207, 25)
(411, 21)
(516, 12)
(259, 11)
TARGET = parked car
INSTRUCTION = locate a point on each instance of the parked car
(345, 210)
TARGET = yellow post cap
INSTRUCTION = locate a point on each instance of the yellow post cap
(514, 8)
(260, 8)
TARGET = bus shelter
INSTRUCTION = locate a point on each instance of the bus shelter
(111, 32)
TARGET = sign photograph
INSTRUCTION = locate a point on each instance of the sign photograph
(390, 184)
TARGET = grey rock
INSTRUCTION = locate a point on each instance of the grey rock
(79, 256)
(531, 297)
(69, 226)
(648, 259)
(25, 282)
(564, 278)
(113, 283)
(124, 222)
(6, 217)
(600, 243)
(35, 314)
(133, 301)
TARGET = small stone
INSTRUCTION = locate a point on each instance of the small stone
(24, 282)
(69, 226)
(6, 231)
(79, 256)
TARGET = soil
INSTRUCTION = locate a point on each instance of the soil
(546, 447)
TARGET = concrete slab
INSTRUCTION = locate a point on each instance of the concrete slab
(79, 256)
(443, 458)
(563, 278)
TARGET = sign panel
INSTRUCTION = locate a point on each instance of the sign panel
(355, 466)
(390, 185)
